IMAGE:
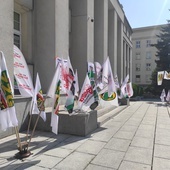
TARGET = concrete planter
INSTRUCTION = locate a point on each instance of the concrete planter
(80, 124)
(124, 101)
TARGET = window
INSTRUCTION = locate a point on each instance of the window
(148, 66)
(137, 78)
(137, 44)
(148, 55)
(148, 43)
(137, 56)
(148, 78)
(138, 67)
(17, 29)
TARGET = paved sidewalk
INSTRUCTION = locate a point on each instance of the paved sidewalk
(138, 138)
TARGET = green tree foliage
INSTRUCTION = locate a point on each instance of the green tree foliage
(163, 59)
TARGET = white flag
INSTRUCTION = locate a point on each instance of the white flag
(166, 75)
(7, 109)
(163, 95)
(160, 76)
(124, 85)
(86, 97)
(98, 75)
(22, 74)
(38, 100)
(168, 96)
(107, 77)
(116, 81)
(129, 89)
(76, 84)
(54, 93)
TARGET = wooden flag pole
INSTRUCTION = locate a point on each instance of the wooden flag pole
(29, 121)
(18, 138)
(36, 121)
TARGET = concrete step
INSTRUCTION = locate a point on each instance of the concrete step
(109, 115)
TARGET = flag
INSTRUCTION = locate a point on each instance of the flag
(86, 97)
(160, 76)
(106, 100)
(168, 96)
(166, 75)
(76, 84)
(124, 86)
(91, 73)
(7, 109)
(71, 87)
(22, 74)
(98, 75)
(107, 77)
(38, 100)
(54, 93)
(116, 81)
(163, 95)
(129, 89)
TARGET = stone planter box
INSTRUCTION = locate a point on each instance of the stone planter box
(124, 101)
(80, 124)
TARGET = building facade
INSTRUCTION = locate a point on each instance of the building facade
(143, 54)
(84, 30)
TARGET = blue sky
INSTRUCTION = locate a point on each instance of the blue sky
(142, 13)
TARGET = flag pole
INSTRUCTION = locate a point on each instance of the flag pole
(18, 138)
(29, 120)
(36, 121)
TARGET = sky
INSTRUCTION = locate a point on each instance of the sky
(143, 13)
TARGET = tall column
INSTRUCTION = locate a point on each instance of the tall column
(130, 56)
(120, 66)
(115, 42)
(127, 59)
(100, 30)
(82, 35)
(124, 59)
(6, 33)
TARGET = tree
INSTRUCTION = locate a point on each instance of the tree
(163, 59)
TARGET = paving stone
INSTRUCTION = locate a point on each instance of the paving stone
(125, 165)
(162, 151)
(108, 158)
(91, 146)
(146, 127)
(140, 155)
(132, 123)
(47, 161)
(145, 133)
(124, 134)
(104, 135)
(162, 139)
(129, 128)
(118, 144)
(59, 152)
(142, 142)
(161, 164)
(74, 161)
(95, 167)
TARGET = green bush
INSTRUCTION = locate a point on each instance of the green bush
(137, 90)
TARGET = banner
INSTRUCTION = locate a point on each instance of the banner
(38, 100)
(54, 93)
(107, 77)
(86, 97)
(22, 74)
(99, 75)
(166, 75)
(163, 95)
(168, 96)
(160, 76)
(7, 109)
